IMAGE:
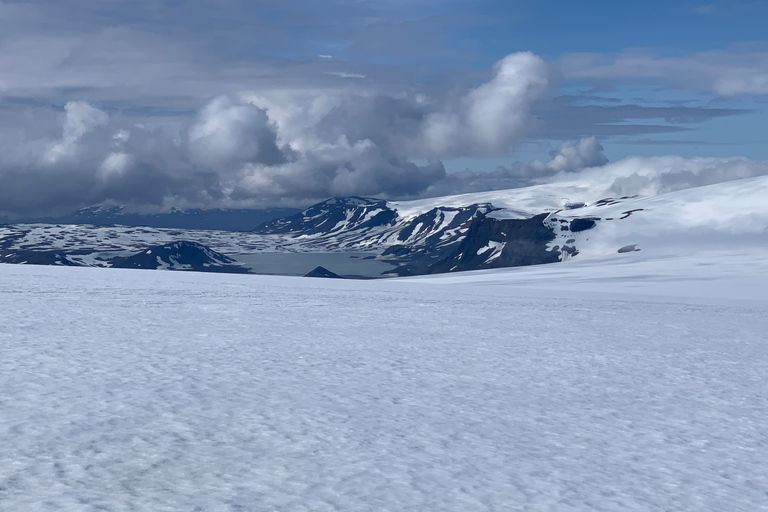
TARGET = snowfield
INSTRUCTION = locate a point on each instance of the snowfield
(630, 383)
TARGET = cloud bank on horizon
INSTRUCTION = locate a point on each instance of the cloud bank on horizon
(113, 105)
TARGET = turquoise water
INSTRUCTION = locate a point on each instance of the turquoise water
(300, 263)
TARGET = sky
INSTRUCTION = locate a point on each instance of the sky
(232, 103)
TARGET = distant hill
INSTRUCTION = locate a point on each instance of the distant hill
(505, 228)
(323, 272)
(183, 255)
(224, 220)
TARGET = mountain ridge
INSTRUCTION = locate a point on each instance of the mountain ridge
(468, 232)
(195, 218)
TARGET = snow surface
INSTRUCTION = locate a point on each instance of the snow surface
(629, 383)
(697, 220)
(632, 176)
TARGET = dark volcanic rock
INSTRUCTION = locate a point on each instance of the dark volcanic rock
(430, 237)
(39, 258)
(627, 214)
(583, 224)
(335, 214)
(628, 248)
(323, 272)
(362, 224)
(495, 243)
(181, 256)
(425, 222)
(30, 256)
(612, 200)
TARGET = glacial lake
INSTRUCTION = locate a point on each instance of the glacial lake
(301, 263)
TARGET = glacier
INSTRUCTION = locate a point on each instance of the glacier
(632, 382)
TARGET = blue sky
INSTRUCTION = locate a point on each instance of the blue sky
(389, 95)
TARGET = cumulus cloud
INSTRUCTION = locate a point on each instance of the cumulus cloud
(294, 149)
(228, 134)
(232, 154)
(273, 147)
(295, 145)
(583, 162)
(657, 175)
(492, 116)
(570, 157)
(80, 119)
(341, 168)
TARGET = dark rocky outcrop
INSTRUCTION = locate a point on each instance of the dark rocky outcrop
(39, 258)
(182, 255)
(628, 248)
(496, 243)
(323, 272)
(9, 254)
(333, 215)
(584, 224)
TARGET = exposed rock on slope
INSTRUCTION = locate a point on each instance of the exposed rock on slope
(513, 227)
(363, 224)
(338, 215)
(495, 243)
(182, 255)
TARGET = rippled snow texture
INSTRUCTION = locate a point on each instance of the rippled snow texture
(147, 390)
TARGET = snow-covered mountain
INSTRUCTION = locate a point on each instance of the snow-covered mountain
(542, 224)
(464, 232)
(416, 240)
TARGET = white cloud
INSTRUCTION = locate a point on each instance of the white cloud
(80, 119)
(294, 146)
(570, 157)
(342, 74)
(121, 137)
(583, 162)
(228, 134)
(339, 168)
(492, 117)
(656, 175)
(115, 164)
(727, 73)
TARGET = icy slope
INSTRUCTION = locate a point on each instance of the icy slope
(490, 229)
(725, 215)
(482, 391)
